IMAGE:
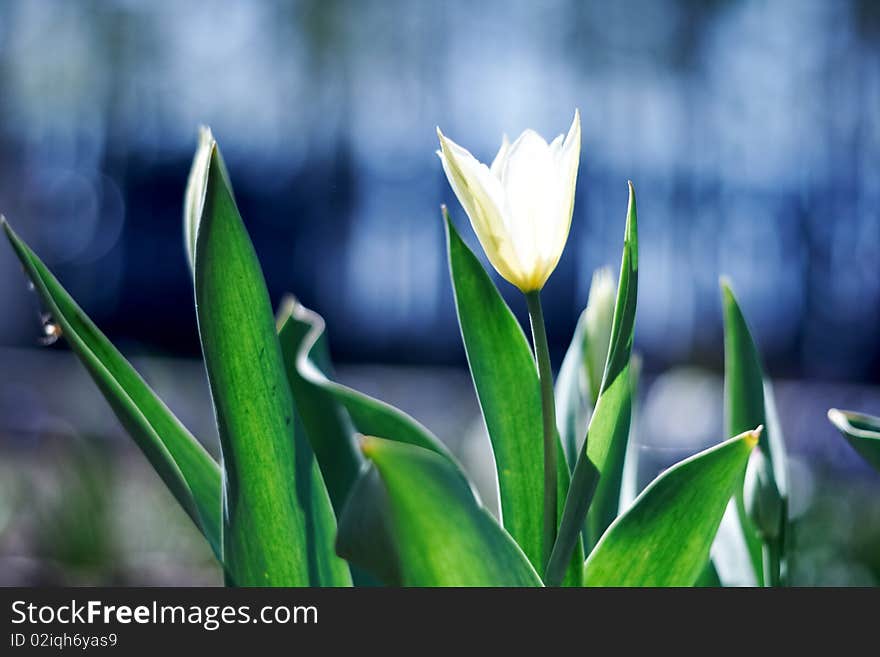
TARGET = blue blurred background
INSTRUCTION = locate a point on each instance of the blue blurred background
(749, 128)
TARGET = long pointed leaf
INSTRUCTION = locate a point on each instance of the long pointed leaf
(184, 465)
(599, 468)
(745, 406)
(370, 416)
(326, 423)
(663, 539)
(278, 521)
(580, 376)
(506, 381)
(413, 521)
(328, 408)
(606, 443)
(629, 485)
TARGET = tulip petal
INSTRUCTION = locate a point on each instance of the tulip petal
(482, 197)
(531, 188)
(501, 157)
(568, 160)
(569, 155)
(521, 206)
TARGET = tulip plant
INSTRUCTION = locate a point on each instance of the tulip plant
(321, 485)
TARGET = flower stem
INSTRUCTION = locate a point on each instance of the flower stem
(772, 566)
(548, 408)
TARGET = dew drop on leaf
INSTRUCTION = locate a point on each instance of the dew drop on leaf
(51, 330)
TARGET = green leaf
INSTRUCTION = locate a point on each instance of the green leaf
(506, 380)
(744, 406)
(369, 416)
(326, 423)
(775, 441)
(609, 430)
(608, 433)
(748, 398)
(861, 431)
(332, 413)
(709, 577)
(580, 377)
(413, 520)
(599, 469)
(629, 485)
(663, 539)
(278, 521)
(179, 459)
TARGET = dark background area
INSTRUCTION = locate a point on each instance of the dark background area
(749, 129)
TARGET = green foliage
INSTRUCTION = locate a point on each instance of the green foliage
(278, 526)
(580, 376)
(663, 539)
(746, 406)
(506, 381)
(302, 498)
(599, 468)
(414, 521)
(326, 423)
(368, 416)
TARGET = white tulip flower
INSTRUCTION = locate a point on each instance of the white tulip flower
(520, 207)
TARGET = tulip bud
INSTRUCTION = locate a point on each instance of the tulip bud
(597, 319)
(521, 206)
(764, 505)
